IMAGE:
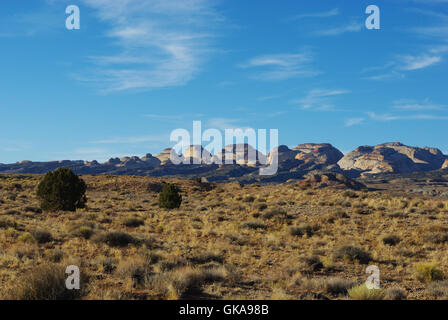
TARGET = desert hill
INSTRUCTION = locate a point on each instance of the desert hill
(293, 163)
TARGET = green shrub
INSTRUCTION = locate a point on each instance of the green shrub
(56, 256)
(391, 240)
(352, 253)
(337, 286)
(170, 197)
(363, 293)
(133, 222)
(7, 223)
(300, 231)
(83, 231)
(397, 214)
(312, 264)
(274, 213)
(61, 190)
(42, 236)
(116, 239)
(395, 294)
(350, 194)
(249, 199)
(108, 264)
(427, 272)
(255, 225)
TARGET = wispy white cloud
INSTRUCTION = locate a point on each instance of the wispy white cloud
(440, 31)
(163, 43)
(410, 63)
(413, 105)
(431, 13)
(431, 55)
(397, 68)
(393, 117)
(319, 99)
(354, 121)
(440, 27)
(439, 49)
(386, 76)
(277, 67)
(322, 14)
(335, 31)
(223, 123)
(403, 109)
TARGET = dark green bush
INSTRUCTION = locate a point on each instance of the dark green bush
(313, 264)
(302, 230)
(42, 236)
(170, 197)
(83, 231)
(116, 239)
(391, 240)
(255, 225)
(61, 190)
(352, 253)
(338, 286)
(133, 222)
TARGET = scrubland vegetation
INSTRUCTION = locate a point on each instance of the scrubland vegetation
(225, 241)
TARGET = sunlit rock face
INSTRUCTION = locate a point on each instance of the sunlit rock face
(392, 158)
(241, 154)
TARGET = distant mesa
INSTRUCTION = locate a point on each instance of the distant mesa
(312, 162)
(324, 153)
(196, 154)
(165, 156)
(308, 156)
(240, 154)
(391, 158)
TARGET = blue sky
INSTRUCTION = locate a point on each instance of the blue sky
(136, 70)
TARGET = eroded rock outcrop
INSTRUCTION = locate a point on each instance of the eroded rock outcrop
(309, 156)
(294, 164)
(241, 154)
(165, 156)
(196, 154)
(445, 164)
(391, 158)
(333, 180)
(318, 156)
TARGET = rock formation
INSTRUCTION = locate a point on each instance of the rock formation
(391, 158)
(295, 164)
(241, 154)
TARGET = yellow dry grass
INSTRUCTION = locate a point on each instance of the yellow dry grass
(232, 242)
